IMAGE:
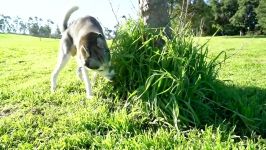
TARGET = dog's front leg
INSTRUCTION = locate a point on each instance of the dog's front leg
(86, 82)
(83, 74)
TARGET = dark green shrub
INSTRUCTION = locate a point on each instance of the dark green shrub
(174, 80)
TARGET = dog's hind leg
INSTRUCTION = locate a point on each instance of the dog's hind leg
(62, 61)
(63, 58)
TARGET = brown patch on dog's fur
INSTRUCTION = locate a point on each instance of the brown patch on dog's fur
(91, 45)
(73, 51)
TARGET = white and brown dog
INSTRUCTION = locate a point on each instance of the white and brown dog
(83, 38)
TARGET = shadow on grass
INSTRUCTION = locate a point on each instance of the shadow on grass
(243, 106)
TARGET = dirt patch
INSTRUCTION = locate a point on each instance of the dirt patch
(37, 111)
(6, 112)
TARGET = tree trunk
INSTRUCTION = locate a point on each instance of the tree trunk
(155, 13)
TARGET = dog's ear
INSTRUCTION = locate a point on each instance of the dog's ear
(96, 38)
(92, 35)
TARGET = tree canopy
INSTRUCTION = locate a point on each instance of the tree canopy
(261, 14)
(230, 17)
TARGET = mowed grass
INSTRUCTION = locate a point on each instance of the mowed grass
(246, 65)
(32, 117)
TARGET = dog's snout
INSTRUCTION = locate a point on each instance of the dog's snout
(112, 78)
(92, 64)
(111, 75)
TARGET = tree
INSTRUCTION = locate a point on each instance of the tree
(195, 12)
(34, 29)
(22, 27)
(15, 24)
(245, 16)
(223, 11)
(155, 13)
(45, 31)
(7, 24)
(2, 23)
(261, 14)
(200, 17)
(57, 33)
(38, 27)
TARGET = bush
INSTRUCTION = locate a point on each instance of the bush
(176, 82)
(174, 78)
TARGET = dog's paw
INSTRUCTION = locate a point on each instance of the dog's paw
(53, 89)
(89, 96)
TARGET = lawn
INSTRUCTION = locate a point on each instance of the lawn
(32, 117)
(246, 65)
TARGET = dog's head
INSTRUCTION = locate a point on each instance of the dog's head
(97, 54)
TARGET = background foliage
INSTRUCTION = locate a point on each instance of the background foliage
(229, 16)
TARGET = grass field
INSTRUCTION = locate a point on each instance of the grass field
(32, 117)
(246, 66)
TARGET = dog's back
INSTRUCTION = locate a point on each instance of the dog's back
(85, 25)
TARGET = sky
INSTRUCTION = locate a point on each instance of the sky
(55, 9)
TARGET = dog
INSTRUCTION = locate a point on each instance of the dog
(84, 39)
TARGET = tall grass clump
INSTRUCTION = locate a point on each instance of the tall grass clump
(171, 76)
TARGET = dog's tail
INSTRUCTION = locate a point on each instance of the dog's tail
(67, 16)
